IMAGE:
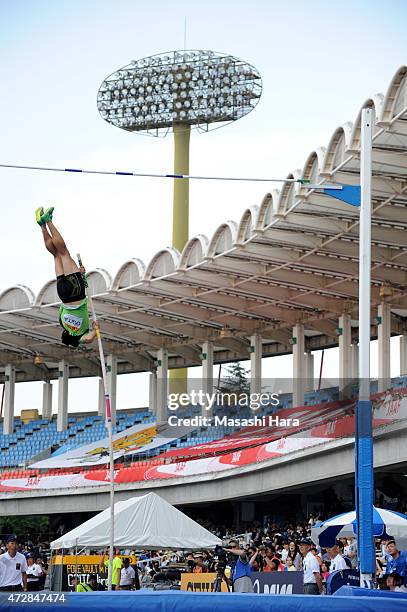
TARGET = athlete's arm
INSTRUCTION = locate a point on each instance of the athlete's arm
(90, 336)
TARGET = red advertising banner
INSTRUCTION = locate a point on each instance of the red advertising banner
(318, 425)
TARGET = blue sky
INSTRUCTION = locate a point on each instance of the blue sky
(319, 61)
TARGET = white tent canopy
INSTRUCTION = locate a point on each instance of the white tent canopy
(147, 522)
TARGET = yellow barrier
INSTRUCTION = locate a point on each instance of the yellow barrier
(201, 583)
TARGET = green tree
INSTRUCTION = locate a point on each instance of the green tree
(236, 380)
(25, 525)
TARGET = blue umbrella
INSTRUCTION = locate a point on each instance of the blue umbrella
(386, 523)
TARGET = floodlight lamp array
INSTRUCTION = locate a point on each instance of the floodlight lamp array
(198, 88)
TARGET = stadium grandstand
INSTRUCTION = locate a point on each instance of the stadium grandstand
(284, 279)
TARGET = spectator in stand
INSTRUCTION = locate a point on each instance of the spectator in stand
(207, 561)
(256, 559)
(277, 558)
(275, 566)
(337, 560)
(200, 566)
(396, 561)
(325, 570)
(312, 576)
(383, 546)
(289, 565)
(312, 520)
(394, 582)
(127, 576)
(349, 552)
(145, 579)
(314, 551)
(13, 567)
(269, 560)
(34, 573)
(44, 572)
(295, 555)
(285, 550)
(155, 568)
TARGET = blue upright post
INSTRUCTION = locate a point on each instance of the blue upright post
(364, 481)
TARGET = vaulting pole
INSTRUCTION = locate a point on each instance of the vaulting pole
(321, 367)
(108, 425)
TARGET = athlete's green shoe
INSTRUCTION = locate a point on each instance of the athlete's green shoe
(38, 214)
(46, 217)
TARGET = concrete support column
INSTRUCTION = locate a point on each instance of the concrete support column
(47, 400)
(162, 385)
(403, 354)
(345, 339)
(101, 399)
(63, 379)
(309, 372)
(298, 365)
(256, 354)
(207, 373)
(9, 394)
(354, 361)
(236, 505)
(152, 392)
(111, 369)
(383, 334)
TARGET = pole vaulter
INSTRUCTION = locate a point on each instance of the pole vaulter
(73, 291)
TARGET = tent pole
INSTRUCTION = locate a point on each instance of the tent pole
(50, 571)
(76, 563)
(108, 425)
(62, 570)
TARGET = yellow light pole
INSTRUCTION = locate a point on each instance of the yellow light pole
(180, 207)
(172, 92)
(180, 221)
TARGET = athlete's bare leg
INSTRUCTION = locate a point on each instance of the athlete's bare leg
(50, 246)
(68, 264)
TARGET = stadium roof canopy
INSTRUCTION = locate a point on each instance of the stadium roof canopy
(291, 259)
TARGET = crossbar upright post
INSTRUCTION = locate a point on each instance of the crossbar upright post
(364, 478)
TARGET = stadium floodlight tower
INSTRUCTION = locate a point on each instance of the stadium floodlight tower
(172, 92)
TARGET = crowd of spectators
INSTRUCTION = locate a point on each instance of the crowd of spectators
(270, 546)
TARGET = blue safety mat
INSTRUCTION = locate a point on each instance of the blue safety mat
(350, 591)
(177, 601)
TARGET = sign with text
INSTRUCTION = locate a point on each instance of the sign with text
(201, 583)
(278, 583)
(66, 568)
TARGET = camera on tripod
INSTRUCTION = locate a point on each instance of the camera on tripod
(221, 558)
